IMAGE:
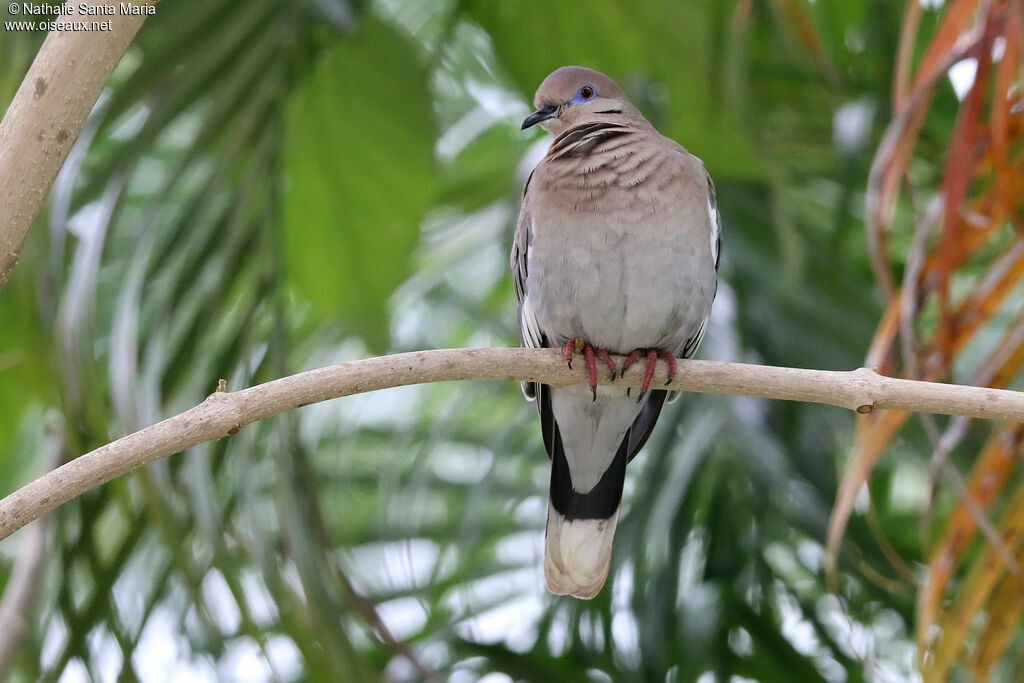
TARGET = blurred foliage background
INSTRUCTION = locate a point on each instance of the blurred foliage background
(272, 185)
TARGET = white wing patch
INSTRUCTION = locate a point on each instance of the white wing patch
(715, 229)
(532, 335)
(716, 221)
(522, 250)
(693, 342)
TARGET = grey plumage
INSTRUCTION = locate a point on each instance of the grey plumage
(617, 244)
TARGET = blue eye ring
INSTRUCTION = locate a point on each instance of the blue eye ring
(586, 92)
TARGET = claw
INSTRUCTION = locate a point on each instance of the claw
(652, 363)
(606, 357)
(671, 360)
(590, 354)
(630, 359)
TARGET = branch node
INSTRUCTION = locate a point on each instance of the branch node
(864, 390)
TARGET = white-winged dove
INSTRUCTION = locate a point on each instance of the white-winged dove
(615, 251)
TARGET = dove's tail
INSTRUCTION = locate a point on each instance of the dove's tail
(581, 526)
(577, 553)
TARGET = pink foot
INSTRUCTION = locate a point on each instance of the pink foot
(590, 354)
(651, 363)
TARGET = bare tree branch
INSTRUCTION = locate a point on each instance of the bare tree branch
(223, 413)
(47, 114)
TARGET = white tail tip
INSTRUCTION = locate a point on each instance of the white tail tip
(577, 553)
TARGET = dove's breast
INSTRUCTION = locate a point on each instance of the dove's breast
(624, 255)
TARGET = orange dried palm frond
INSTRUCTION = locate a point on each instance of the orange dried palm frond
(952, 43)
(965, 268)
(991, 472)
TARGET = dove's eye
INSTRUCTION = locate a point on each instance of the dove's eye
(586, 92)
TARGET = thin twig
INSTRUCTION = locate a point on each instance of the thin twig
(368, 609)
(980, 517)
(223, 413)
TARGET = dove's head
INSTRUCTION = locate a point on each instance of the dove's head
(574, 94)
